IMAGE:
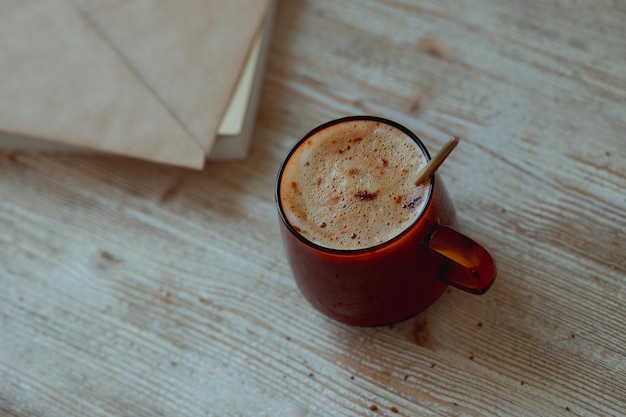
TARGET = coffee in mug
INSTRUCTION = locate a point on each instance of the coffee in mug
(367, 244)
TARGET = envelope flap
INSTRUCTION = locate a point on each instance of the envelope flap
(62, 82)
(190, 53)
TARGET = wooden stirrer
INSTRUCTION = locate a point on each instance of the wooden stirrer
(437, 160)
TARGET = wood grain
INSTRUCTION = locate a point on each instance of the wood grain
(129, 288)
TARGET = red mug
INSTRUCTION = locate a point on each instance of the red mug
(396, 279)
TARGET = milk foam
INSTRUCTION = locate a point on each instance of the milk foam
(352, 185)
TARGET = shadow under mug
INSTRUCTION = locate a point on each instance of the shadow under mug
(397, 279)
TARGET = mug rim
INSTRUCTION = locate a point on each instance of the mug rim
(323, 126)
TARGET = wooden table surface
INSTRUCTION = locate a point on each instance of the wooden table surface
(134, 289)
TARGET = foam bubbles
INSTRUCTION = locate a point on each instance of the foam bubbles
(357, 179)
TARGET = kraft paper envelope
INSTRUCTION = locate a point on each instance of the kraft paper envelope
(149, 79)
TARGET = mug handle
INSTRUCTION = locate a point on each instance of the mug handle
(468, 265)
